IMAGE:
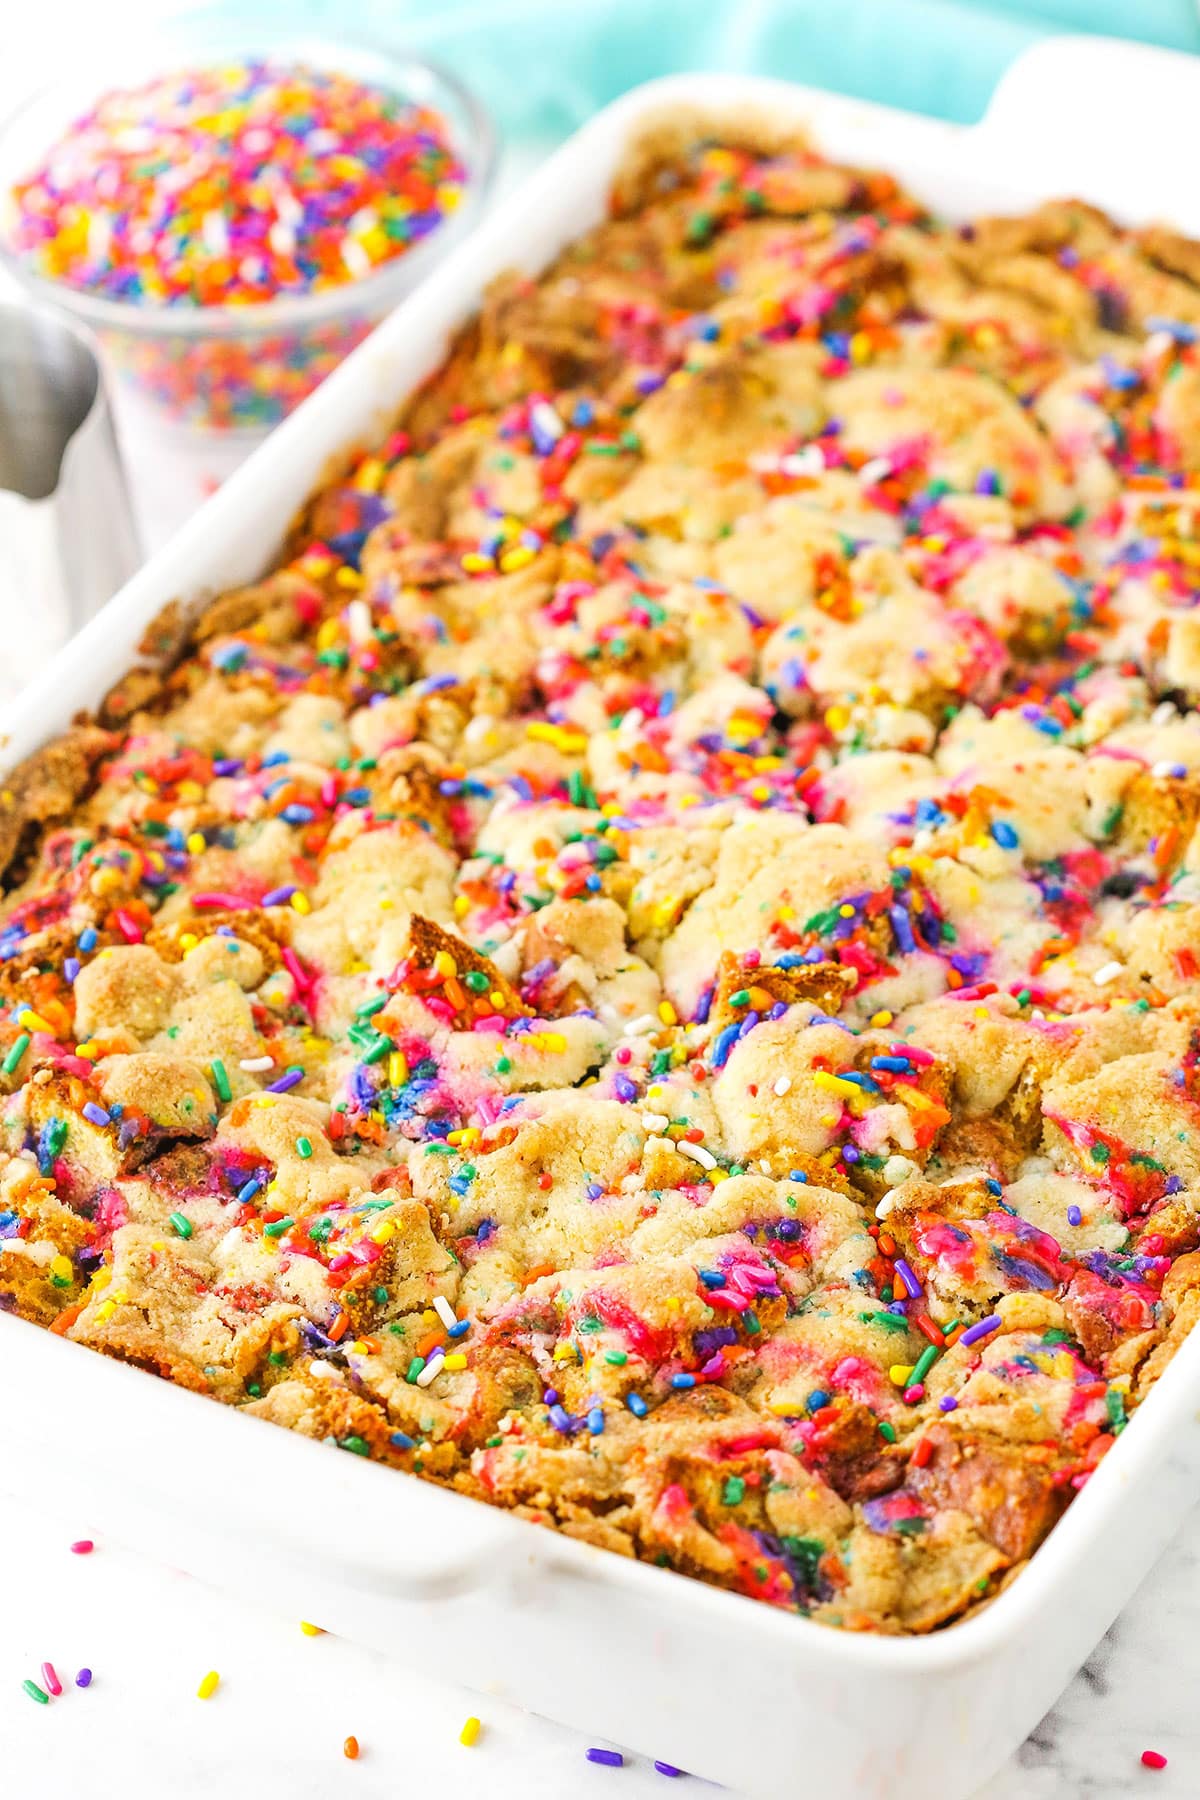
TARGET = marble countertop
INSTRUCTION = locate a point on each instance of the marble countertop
(287, 1701)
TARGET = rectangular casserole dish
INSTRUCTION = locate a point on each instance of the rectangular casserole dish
(419, 1571)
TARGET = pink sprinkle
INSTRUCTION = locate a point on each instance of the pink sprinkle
(329, 791)
(1153, 1759)
(129, 928)
(50, 1677)
(221, 901)
(83, 1547)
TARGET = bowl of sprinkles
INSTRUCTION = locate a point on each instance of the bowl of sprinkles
(232, 225)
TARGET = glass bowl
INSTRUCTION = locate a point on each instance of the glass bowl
(242, 368)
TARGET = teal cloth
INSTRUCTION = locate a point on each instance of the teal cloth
(544, 65)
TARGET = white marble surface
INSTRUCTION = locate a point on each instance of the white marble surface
(287, 1701)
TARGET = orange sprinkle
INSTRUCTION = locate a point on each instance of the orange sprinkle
(350, 1748)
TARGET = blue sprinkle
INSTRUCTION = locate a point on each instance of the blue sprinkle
(636, 1405)
(683, 1381)
(1004, 834)
(816, 1400)
(400, 1440)
(1074, 1216)
(595, 1420)
(88, 939)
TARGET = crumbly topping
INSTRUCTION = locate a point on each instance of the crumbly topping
(649, 973)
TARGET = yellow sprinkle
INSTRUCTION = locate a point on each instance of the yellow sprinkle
(208, 1686)
(846, 912)
(369, 476)
(474, 562)
(571, 743)
(383, 1232)
(901, 1374)
(301, 904)
(397, 1069)
(667, 1013)
(835, 1085)
(311, 1630)
(882, 1018)
(469, 1733)
(327, 635)
(33, 1021)
(188, 940)
(197, 843)
(454, 1361)
(461, 905)
(566, 1353)
(520, 558)
(62, 1267)
(783, 1408)
(837, 718)
(348, 578)
(444, 964)
(190, 791)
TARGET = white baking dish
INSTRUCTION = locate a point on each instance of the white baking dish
(709, 1681)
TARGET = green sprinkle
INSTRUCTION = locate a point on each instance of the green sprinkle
(380, 1296)
(277, 1357)
(220, 1079)
(734, 1491)
(477, 981)
(370, 1007)
(923, 1364)
(36, 1693)
(889, 1321)
(357, 1446)
(414, 1369)
(379, 1049)
(503, 1065)
(20, 1046)
(303, 1148)
(617, 1358)
(887, 1431)
(1100, 1153)
(277, 1227)
(741, 998)
(181, 1224)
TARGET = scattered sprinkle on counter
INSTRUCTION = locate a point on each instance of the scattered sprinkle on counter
(611, 1759)
(36, 1693)
(82, 1547)
(208, 1685)
(470, 1732)
(1153, 1759)
(350, 1749)
(83, 1678)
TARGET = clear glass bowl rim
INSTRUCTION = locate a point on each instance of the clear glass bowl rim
(374, 294)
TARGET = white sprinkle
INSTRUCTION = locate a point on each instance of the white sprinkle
(444, 1311)
(809, 461)
(543, 417)
(359, 265)
(257, 1065)
(282, 239)
(1108, 973)
(325, 1371)
(655, 1121)
(432, 1369)
(878, 469)
(697, 1154)
(215, 234)
(782, 1085)
(1163, 713)
(358, 619)
(885, 1205)
(640, 1026)
(1158, 342)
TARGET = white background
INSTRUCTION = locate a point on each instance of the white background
(286, 1702)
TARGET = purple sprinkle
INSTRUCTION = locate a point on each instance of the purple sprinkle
(612, 1759)
(84, 1678)
(624, 1089)
(96, 1114)
(667, 1768)
(911, 1284)
(279, 896)
(71, 967)
(1074, 1216)
(285, 1082)
(227, 765)
(985, 1328)
(948, 1403)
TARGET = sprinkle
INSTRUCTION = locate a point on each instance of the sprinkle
(96, 1115)
(444, 1311)
(983, 1329)
(181, 1224)
(83, 1678)
(612, 1759)
(256, 1065)
(666, 1768)
(470, 1732)
(50, 1677)
(208, 1685)
(37, 1693)
(1109, 972)
(1153, 1759)
(220, 1079)
(304, 1147)
(17, 1051)
(1074, 1215)
(911, 1285)
(82, 1547)
(350, 1749)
